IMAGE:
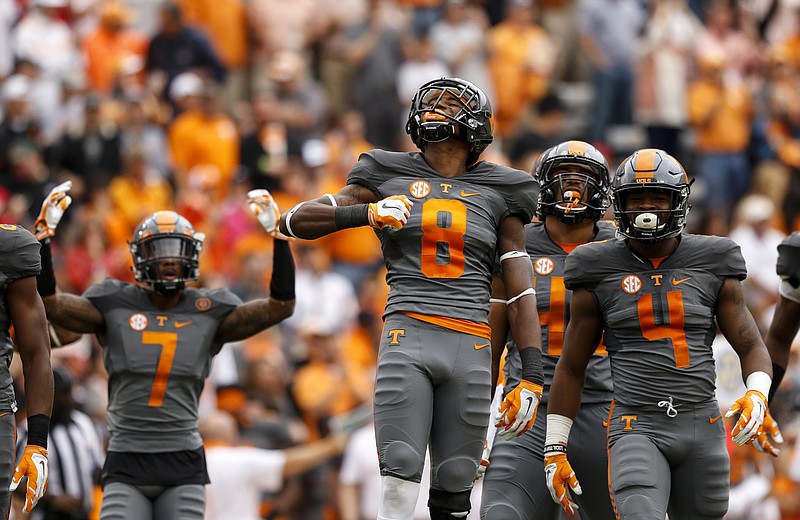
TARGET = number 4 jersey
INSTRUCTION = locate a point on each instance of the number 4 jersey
(157, 363)
(658, 321)
(446, 250)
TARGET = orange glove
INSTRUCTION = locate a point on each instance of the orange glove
(517, 412)
(33, 465)
(391, 213)
(769, 428)
(484, 463)
(751, 409)
(559, 474)
(53, 208)
(263, 206)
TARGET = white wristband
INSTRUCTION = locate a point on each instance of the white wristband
(526, 292)
(759, 381)
(514, 254)
(289, 215)
(498, 300)
(333, 201)
(558, 427)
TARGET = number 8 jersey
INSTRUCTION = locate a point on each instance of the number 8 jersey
(157, 363)
(658, 318)
(446, 250)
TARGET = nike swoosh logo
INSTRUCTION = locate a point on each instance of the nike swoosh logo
(182, 324)
(44, 468)
(678, 282)
(530, 403)
(465, 194)
(712, 420)
(478, 347)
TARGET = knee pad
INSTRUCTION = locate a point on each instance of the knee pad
(401, 460)
(500, 512)
(455, 474)
(445, 505)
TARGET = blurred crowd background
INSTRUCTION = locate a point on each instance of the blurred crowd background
(188, 104)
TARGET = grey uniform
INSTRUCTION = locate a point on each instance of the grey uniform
(19, 258)
(433, 380)
(514, 487)
(666, 443)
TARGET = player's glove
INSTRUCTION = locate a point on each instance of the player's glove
(53, 208)
(751, 409)
(769, 428)
(484, 463)
(263, 206)
(391, 213)
(559, 474)
(518, 410)
(33, 465)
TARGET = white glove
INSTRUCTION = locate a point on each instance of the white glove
(263, 206)
(53, 208)
(483, 465)
(390, 213)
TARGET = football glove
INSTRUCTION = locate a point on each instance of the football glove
(518, 410)
(263, 206)
(390, 213)
(769, 428)
(53, 208)
(559, 474)
(33, 465)
(484, 462)
(751, 409)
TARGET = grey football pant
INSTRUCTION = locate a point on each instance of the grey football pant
(514, 487)
(126, 501)
(660, 464)
(8, 436)
(433, 387)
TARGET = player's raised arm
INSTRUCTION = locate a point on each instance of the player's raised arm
(353, 206)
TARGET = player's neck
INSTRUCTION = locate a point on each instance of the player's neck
(448, 158)
(562, 233)
(660, 249)
(164, 302)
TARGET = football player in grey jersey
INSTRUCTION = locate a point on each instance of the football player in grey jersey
(786, 321)
(158, 338)
(657, 296)
(574, 193)
(441, 215)
(22, 307)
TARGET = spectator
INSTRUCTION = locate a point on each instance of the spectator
(420, 66)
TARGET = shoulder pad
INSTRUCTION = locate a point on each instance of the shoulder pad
(788, 267)
(19, 253)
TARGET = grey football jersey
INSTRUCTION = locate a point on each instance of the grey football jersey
(446, 250)
(157, 363)
(19, 258)
(552, 300)
(659, 322)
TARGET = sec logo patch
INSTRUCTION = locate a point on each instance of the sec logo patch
(631, 284)
(419, 189)
(543, 266)
(202, 304)
(138, 322)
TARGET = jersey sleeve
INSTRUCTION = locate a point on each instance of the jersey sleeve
(790, 293)
(365, 173)
(223, 301)
(583, 267)
(102, 294)
(730, 262)
(788, 265)
(19, 254)
(521, 192)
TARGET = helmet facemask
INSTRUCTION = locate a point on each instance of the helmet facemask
(573, 193)
(651, 225)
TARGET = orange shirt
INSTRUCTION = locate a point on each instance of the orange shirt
(727, 129)
(104, 53)
(223, 21)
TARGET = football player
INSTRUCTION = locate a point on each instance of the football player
(657, 296)
(574, 193)
(21, 306)
(786, 320)
(441, 216)
(158, 338)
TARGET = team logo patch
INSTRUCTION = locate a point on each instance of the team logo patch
(138, 322)
(202, 304)
(419, 189)
(631, 284)
(8, 227)
(543, 266)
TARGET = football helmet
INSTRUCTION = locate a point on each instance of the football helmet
(651, 169)
(431, 120)
(788, 267)
(166, 250)
(574, 182)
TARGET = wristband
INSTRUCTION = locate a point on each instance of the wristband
(777, 376)
(532, 369)
(558, 428)
(38, 430)
(46, 281)
(281, 286)
(352, 216)
(759, 381)
(554, 448)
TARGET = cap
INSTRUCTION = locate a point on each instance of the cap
(185, 84)
(756, 208)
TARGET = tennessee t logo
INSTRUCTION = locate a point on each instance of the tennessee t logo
(627, 419)
(445, 187)
(657, 278)
(395, 334)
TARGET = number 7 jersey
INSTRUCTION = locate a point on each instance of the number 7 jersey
(440, 263)
(659, 322)
(157, 362)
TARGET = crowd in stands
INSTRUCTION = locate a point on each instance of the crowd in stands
(188, 104)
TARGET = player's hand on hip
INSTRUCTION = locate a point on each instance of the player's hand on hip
(768, 436)
(751, 409)
(266, 211)
(559, 475)
(517, 412)
(391, 213)
(33, 465)
(483, 465)
(53, 208)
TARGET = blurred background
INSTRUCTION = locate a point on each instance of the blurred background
(188, 104)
